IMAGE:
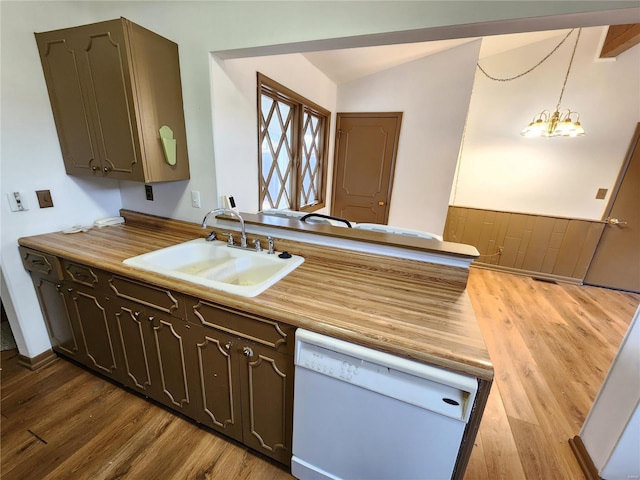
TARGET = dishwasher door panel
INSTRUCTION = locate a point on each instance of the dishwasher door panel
(343, 431)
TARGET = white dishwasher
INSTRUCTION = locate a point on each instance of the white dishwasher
(360, 414)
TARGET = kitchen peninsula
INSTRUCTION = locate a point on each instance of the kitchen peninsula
(404, 306)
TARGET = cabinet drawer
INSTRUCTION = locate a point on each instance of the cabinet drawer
(260, 330)
(76, 272)
(45, 265)
(155, 297)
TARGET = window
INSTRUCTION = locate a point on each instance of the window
(293, 137)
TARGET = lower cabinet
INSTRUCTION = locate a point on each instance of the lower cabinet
(228, 370)
(245, 369)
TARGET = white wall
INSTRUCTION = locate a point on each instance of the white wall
(611, 432)
(433, 94)
(501, 170)
(235, 123)
(30, 151)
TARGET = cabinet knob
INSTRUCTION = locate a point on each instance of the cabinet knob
(94, 168)
(69, 290)
(228, 345)
(136, 314)
(151, 317)
(247, 352)
(58, 286)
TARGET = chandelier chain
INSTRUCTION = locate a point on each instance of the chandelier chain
(508, 79)
(568, 70)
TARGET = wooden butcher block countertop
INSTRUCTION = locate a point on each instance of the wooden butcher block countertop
(409, 308)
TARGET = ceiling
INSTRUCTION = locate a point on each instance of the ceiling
(347, 65)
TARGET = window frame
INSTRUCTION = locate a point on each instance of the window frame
(300, 106)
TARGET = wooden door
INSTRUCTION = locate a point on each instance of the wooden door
(218, 403)
(366, 149)
(140, 360)
(266, 377)
(69, 100)
(90, 312)
(108, 82)
(64, 334)
(616, 263)
(169, 340)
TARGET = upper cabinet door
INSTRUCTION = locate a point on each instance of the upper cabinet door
(112, 86)
(61, 64)
(108, 82)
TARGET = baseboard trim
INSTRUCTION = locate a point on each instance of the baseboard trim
(37, 362)
(528, 273)
(584, 459)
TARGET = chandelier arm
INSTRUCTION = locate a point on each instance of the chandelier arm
(568, 70)
(532, 68)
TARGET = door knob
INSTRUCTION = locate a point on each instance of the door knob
(615, 221)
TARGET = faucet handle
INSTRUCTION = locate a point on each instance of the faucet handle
(271, 250)
(257, 244)
(230, 241)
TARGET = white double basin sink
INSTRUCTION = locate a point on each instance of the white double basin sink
(213, 264)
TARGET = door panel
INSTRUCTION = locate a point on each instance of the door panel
(616, 263)
(364, 163)
(219, 402)
(108, 76)
(169, 344)
(96, 335)
(267, 389)
(136, 349)
(60, 61)
(64, 335)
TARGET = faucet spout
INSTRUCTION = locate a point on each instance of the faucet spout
(233, 213)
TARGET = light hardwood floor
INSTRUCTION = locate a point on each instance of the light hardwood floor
(551, 346)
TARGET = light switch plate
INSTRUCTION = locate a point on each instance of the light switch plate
(17, 201)
(195, 199)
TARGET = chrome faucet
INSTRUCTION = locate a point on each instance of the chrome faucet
(233, 213)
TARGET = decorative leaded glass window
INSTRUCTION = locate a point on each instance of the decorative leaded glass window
(293, 136)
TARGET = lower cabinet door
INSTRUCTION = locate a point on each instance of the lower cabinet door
(63, 332)
(139, 356)
(168, 337)
(154, 355)
(89, 309)
(218, 403)
(267, 400)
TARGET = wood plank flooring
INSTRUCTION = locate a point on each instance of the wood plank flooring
(551, 346)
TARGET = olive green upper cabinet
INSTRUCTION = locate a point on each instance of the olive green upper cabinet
(114, 87)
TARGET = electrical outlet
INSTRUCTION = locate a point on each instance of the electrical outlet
(44, 198)
(195, 199)
(601, 193)
(148, 191)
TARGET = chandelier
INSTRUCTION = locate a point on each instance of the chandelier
(556, 124)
